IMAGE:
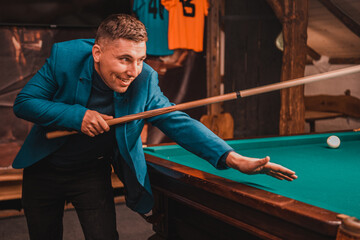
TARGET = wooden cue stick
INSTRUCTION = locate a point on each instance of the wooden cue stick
(220, 98)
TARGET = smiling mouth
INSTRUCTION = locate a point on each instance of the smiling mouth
(123, 80)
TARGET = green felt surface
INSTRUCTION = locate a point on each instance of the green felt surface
(327, 178)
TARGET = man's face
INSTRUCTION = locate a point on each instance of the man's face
(119, 62)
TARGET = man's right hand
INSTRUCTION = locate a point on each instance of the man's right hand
(94, 123)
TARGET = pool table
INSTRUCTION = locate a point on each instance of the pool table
(193, 200)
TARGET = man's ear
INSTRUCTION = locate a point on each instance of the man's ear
(96, 52)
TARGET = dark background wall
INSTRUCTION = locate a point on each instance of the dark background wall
(23, 52)
(252, 60)
(28, 29)
(61, 13)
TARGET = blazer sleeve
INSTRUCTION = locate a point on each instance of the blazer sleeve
(36, 102)
(184, 130)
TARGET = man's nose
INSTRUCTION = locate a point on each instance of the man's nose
(133, 69)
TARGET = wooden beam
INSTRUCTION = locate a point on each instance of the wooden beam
(213, 77)
(312, 53)
(344, 60)
(351, 24)
(277, 7)
(293, 14)
(292, 111)
(316, 56)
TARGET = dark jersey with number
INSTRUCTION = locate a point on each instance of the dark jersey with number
(155, 18)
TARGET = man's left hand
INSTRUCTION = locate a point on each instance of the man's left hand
(251, 166)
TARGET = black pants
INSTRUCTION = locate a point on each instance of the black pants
(46, 188)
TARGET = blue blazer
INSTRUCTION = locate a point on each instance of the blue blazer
(56, 98)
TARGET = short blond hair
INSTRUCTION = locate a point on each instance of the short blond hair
(124, 26)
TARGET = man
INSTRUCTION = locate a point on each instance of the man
(82, 84)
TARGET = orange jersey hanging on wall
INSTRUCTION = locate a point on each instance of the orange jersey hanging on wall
(186, 23)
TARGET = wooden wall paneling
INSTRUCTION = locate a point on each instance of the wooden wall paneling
(251, 60)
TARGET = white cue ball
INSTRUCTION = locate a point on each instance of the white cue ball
(333, 141)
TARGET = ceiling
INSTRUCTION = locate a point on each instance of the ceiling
(328, 35)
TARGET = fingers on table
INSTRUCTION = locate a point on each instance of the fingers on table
(280, 172)
(281, 176)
